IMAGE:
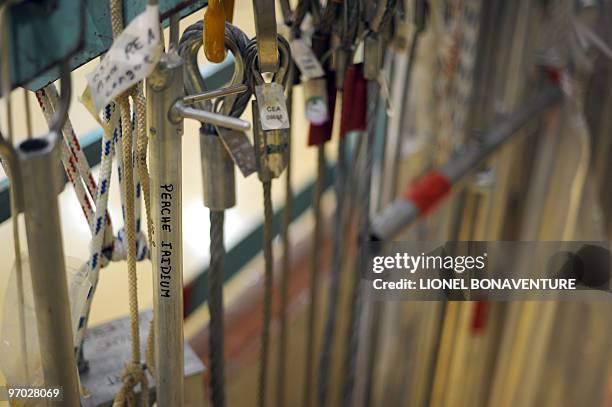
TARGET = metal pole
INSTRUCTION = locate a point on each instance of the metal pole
(40, 183)
(164, 88)
(404, 211)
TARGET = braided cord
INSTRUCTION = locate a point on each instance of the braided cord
(98, 240)
(142, 142)
(98, 222)
(267, 310)
(215, 305)
(69, 161)
(134, 373)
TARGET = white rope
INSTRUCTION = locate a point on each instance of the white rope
(134, 373)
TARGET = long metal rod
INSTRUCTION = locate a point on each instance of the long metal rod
(40, 184)
(354, 329)
(402, 212)
(164, 87)
(315, 266)
(286, 264)
(268, 276)
(180, 110)
(215, 93)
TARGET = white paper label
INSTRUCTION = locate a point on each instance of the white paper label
(305, 59)
(130, 59)
(316, 107)
(316, 110)
(272, 106)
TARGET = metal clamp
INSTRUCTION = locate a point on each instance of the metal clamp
(271, 146)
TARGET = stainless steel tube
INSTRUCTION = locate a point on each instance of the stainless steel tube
(164, 88)
(180, 110)
(40, 183)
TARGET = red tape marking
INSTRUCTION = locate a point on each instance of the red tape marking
(427, 192)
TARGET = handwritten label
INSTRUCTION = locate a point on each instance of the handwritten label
(166, 253)
(130, 59)
(272, 106)
(305, 59)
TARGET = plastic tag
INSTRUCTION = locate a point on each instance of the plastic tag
(317, 105)
(130, 59)
(305, 59)
(272, 106)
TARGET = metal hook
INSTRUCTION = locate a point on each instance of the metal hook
(61, 113)
(228, 103)
(266, 36)
(191, 42)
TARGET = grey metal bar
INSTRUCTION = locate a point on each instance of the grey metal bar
(180, 111)
(230, 90)
(164, 87)
(401, 213)
(40, 184)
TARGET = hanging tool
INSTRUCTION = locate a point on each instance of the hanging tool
(270, 136)
(293, 21)
(375, 39)
(34, 172)
(166, 109)
(352, 89)
(218, 178)
(320, 92)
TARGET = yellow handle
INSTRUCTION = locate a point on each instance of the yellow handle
(228, 5)
(214, 31)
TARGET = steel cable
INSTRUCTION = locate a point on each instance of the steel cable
(267, 305)
(215, 305)
(190, 41)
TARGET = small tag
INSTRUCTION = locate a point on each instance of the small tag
(305, 59)
(130, 59)
(385, 92)
(240, 149)
(317, 104)
(272, 106)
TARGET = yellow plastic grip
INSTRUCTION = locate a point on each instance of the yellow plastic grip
(214, 31)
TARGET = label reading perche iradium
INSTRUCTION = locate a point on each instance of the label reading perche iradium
(165, 250)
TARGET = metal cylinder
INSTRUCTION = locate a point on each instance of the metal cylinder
(217, 173)
(164, 88)
(40, 183)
